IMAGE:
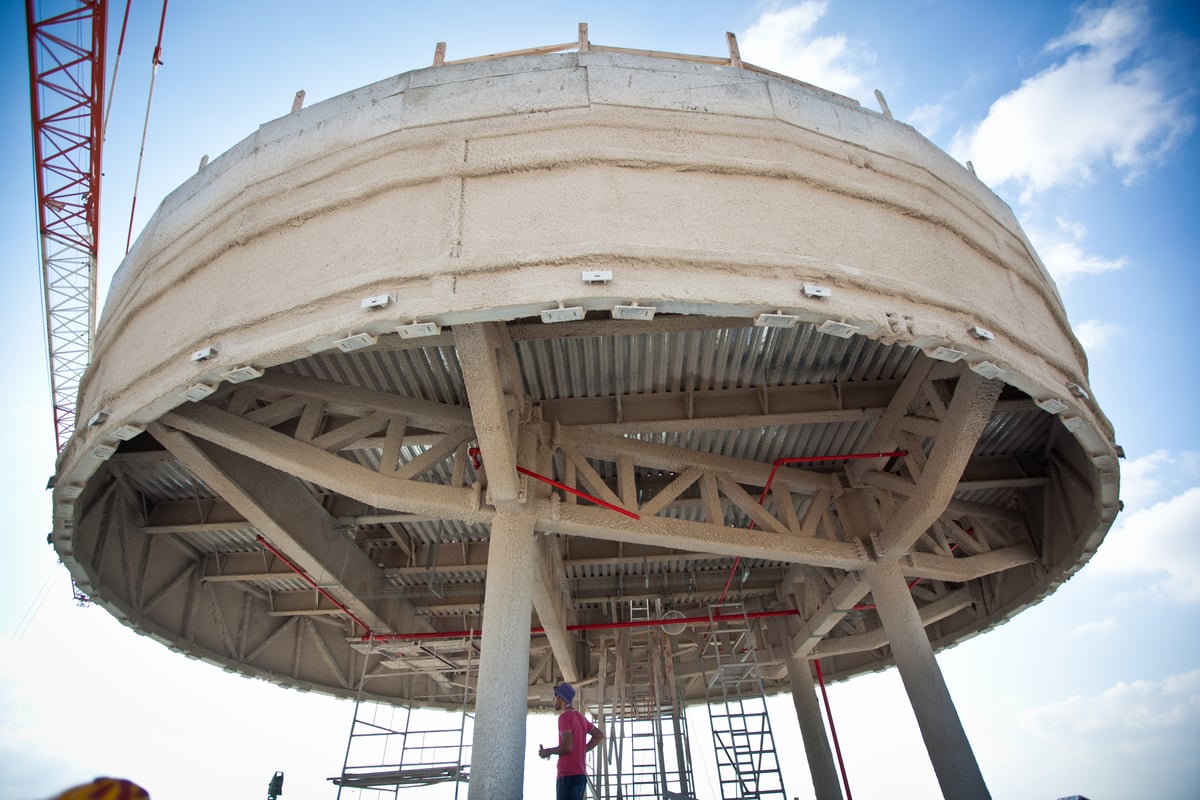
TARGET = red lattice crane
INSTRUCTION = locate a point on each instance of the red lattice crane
(66, 73)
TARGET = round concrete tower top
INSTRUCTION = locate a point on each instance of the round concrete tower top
(618, 296)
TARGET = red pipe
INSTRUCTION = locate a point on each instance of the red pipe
(380, 637)
(296, 568)
(837, 748)
(593, 626)
(913, 582)
(576, 492)
(477, 459)
(601, 626)
(801, 460)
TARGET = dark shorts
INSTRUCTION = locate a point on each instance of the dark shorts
(571, 787)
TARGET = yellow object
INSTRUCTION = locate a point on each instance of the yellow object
(106, 789)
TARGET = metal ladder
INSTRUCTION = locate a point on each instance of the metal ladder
(747, 764)
(649, 746)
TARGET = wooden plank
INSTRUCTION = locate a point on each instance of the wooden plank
(393, 440)
(352, 431)
(787, 507)
(742, 499)
(590, 478)
(528, 51)
(436, 454)
(661, 54)
(735, 55)
(816, 510)
(677, 487)
(712, 500)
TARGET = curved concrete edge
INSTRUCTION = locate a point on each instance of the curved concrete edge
(442, 159)
(181, 255)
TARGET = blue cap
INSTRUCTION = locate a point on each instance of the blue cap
(565, 691)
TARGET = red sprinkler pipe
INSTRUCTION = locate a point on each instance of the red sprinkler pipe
(604, 626)
(576, 492)
(477, 458)
(296, 568)
(837, 748)
(801, 460)
(593, 626)
(913, 582)
(813, 459)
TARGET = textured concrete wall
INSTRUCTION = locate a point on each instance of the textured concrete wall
(480, 191)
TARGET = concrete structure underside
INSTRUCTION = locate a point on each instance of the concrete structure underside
(346, 353)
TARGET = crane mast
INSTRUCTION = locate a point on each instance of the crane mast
(66, 73)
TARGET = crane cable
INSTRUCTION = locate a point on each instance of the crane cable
(156, 63)
(26, 621)
(112, 88)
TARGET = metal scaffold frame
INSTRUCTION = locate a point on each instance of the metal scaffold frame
(392, 747)
(66, 73)
(646, 753)
(747, 764)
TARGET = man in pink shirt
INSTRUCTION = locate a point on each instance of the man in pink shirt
(572, 750)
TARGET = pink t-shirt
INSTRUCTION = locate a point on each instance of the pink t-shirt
(574, 762)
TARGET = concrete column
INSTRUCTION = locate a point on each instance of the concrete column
(501, 701)
(949, 750)
(812, 730)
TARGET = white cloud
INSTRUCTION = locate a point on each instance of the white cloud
(929, 118)
(1107, 102)
(1158, 541)
(149, 705)
(1134, 739)
(1155, 536)
(1126, 712)
(782, 40)
(1098, 26)
(1094, 334)
(1063, 255)
(1100, 627)
(1140, 484)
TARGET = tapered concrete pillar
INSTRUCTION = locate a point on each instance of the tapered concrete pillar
(812, 730)
(949, 750)
(501, 706)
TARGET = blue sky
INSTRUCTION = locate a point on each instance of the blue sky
(1082, 118)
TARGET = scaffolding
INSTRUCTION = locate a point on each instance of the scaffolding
(395, 747)
(646, 753)
(747, 764)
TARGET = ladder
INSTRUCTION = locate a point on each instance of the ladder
(747, 764)
(649, 750)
